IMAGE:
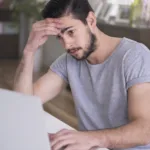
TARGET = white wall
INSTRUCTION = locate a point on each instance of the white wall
(94, 3)
(124, 2)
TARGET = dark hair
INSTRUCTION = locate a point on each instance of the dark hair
(59, 8)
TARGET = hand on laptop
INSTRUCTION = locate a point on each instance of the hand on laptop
(73, 140)
(40, 32)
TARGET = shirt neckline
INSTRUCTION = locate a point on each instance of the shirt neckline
(113, 53)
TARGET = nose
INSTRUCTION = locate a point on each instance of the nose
(68, 43)
(68, 46)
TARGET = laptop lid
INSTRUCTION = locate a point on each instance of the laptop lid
(22, 124)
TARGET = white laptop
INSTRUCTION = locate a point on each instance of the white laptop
(22, 122)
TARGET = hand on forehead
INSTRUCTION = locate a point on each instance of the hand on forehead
(66, 20)
(56, 22)
(53, 20)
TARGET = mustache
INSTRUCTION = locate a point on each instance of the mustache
(73, 49)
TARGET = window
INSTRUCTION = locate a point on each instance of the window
(124, 2)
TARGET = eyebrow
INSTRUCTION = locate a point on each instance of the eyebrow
(65, 29)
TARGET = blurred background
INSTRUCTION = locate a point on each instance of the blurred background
(121, 18)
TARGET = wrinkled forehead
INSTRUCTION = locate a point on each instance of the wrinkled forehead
(70, 21)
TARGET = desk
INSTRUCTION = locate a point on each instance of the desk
(54, 125)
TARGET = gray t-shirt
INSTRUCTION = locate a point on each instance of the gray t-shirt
(100, 91)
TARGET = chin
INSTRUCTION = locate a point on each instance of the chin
(79, 58)
(76, 57)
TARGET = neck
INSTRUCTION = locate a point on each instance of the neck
(105, 47)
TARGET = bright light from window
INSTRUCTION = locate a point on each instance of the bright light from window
(124, 2)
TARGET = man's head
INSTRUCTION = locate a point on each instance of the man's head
(78, 34)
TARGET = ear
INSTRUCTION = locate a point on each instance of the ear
(91, 21)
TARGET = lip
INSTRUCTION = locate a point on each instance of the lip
(74, 51)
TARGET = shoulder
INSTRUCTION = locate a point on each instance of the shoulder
(66, 60)
(136, 51)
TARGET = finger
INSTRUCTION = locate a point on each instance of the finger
(72, 147)
(46, 33)
(53, 25)
(60, 138)
(53, 20)
(46, 22)
(62, 144)
(39, 23)
(56, 25)
(47, 28)
(94, 148)
(41, 42)
(42, 34)
(62, 132)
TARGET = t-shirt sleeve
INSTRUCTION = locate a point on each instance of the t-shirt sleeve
(59, 66)
(137, 66)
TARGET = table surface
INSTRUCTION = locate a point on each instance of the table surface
(54, 125)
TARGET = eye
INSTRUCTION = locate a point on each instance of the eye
(70, 33)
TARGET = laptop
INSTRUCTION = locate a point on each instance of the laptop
(22, 123)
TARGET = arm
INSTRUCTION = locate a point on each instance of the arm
(44, 88)
(23, 77)
(137, 132)
(48, 86)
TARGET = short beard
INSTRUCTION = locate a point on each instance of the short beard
(91, 47)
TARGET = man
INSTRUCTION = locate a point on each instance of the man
(109, 78)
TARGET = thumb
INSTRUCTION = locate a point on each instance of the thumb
(43, 39)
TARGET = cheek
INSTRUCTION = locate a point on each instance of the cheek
(80, 41)
(84, 38)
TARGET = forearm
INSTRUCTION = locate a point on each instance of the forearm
(136, 133)
(23, 81)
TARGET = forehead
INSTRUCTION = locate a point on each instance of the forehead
(70, 21)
